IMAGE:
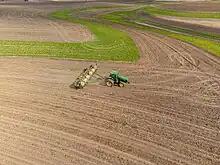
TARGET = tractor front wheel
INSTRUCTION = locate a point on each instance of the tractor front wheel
(109, 83)
(121, 84)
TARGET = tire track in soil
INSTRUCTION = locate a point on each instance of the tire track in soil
(9, 159)
(161, 118)
(76, 98)
(209, 87)
(39, 93)
(26, 124)
(64, 138)
(29, 25)
(59, 30)
(55, 150)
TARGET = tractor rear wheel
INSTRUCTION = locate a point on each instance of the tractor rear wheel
(109, 82)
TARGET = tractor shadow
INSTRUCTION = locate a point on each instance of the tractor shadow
(98, 81)
(93, 81)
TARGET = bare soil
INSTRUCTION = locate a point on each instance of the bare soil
(17, 24)
(198, 24)
(193, 6)
(168, 115)
(198, 21)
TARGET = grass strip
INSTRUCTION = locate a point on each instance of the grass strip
(159, 11)
(122, 18)
(150, 20)
(109, 44)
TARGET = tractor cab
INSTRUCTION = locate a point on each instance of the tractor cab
(114, 75)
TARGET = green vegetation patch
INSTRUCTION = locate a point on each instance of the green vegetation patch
(109, 44)
(207, 45)
(127, 18)
(159, 11)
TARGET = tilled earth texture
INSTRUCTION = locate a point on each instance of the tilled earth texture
(193, 6)
(168, 115)
(207, 25)
(198, 24)
(23, 24)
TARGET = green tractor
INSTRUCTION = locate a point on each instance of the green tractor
(115, 79)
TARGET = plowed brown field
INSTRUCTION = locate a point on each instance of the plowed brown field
(207, 25)
(197, 24)
(168, 115)
(193, 6)
(32, 26)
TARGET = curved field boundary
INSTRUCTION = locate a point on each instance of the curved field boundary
(156, 10)
(168, 115)
(122, 18)
(109, 44)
